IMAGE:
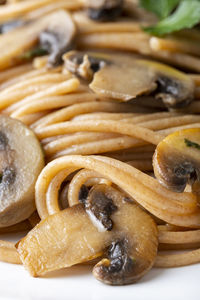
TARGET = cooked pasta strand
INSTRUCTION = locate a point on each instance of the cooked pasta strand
(8, 253)
(177, 260)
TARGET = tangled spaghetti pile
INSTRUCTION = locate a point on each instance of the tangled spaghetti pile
(92, 136)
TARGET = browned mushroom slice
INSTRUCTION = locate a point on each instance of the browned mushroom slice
(85, 65)
(125, 77)
(134, 237)
(176, 160)
(115, 76)
(73, 236)
(59, 24)
(139, 77)
(21, 160)
(104, 10)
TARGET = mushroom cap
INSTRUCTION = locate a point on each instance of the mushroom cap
(176, 160)
(21, 161)
(28, 36)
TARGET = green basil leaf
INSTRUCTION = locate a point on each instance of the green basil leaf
(162, 8)
(30, 54)
(186, 15)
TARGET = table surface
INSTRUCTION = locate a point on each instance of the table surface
(78, 283)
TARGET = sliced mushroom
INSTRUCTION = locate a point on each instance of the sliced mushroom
(58, 38)
(21, 160)
(176, 160)
(71, 236)
(84, 65)
(125, 77)
(104, 10)
(124, 82)
(55, 30)
(121, 77)
(127, 81)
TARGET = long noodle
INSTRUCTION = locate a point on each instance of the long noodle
(91, 139)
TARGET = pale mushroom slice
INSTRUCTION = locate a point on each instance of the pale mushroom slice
(55, 32)
(21, 161)
(124, 82)
(79, 234)
(58, 38)
(176, 160)
(141, 77)
(127, 77)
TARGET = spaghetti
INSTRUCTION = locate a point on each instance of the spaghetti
(91, 138)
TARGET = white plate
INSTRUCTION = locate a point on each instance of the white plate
(78, 283)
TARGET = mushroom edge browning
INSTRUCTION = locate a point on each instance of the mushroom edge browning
(70, 237)
(21, 161)
(125, 77)
(176, 160)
